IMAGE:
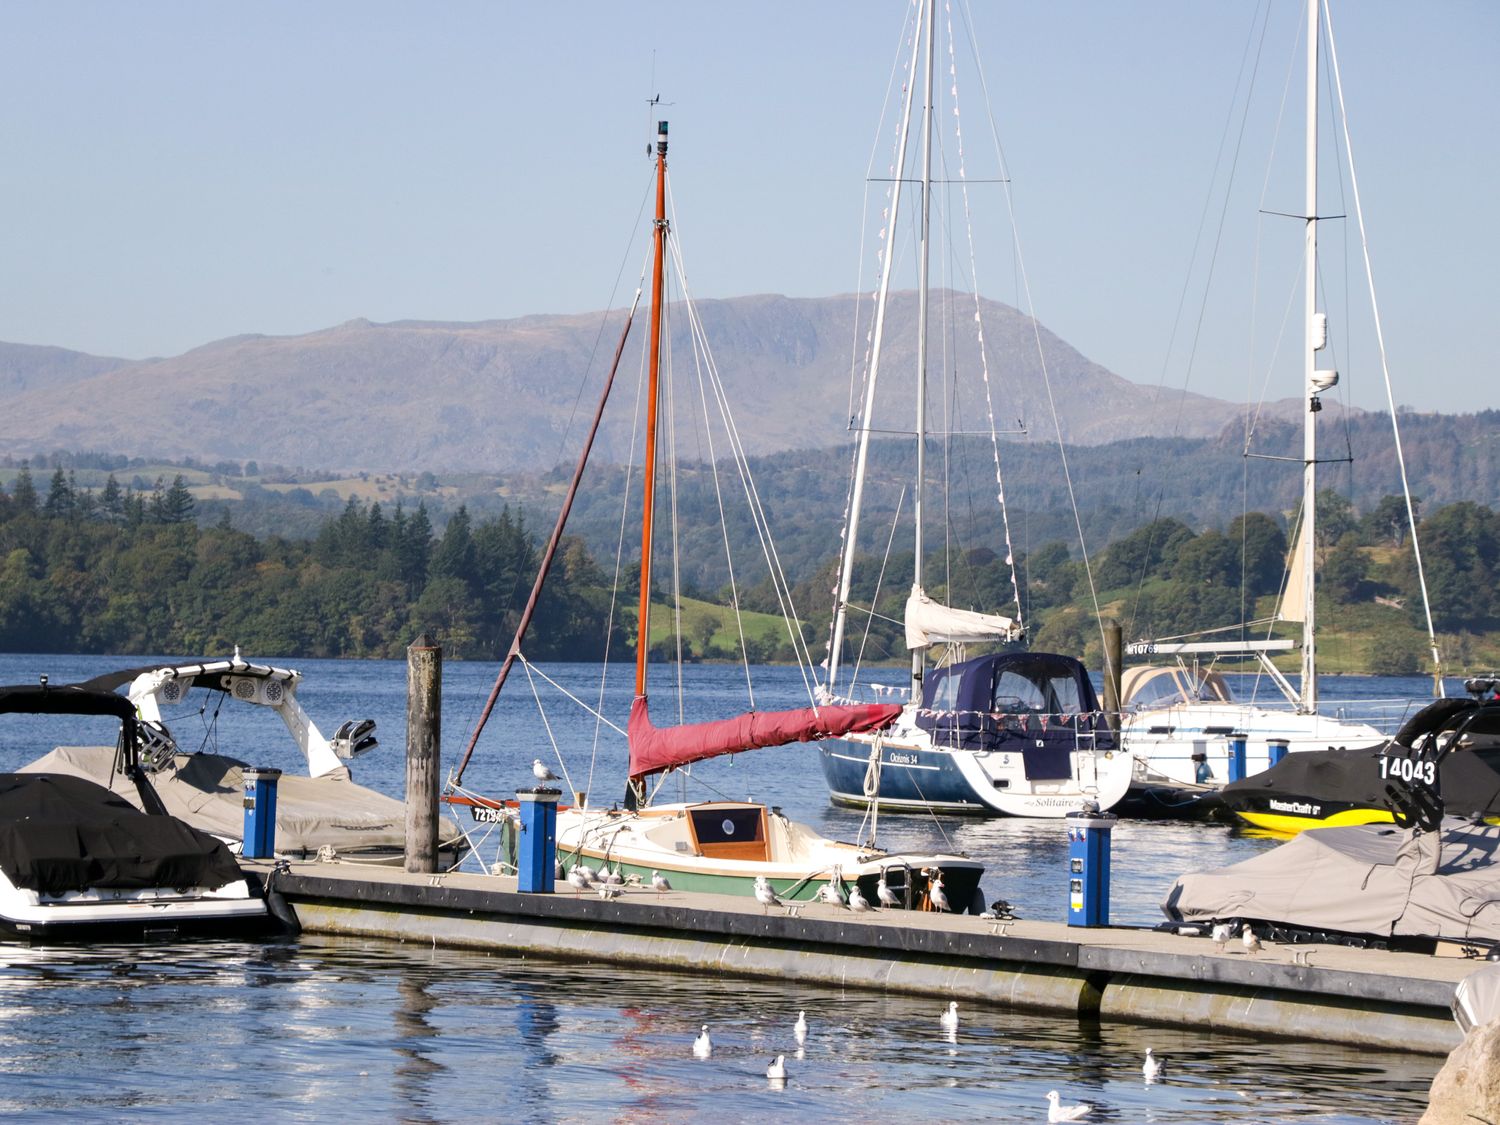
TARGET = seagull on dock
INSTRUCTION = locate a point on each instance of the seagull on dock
(578, 879)
(936, 896)
(1057, 1112)
(884, 893)
(948, 1021)
(765, 895)
(857, 901)
(829, 892)
(609, 891)
(776, 1072)
(799, 1029)
(614, 878)
(703, 1046)
(659, 882)
(541, 771)
(1222, 932)
(1152, 1067)
(1249, 938)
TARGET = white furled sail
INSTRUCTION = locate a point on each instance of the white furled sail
(1294, 598)
(932, 623)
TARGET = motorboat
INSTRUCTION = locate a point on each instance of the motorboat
(321, 812)
(78, 861)
(1326, 788)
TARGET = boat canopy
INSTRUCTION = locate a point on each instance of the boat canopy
(932, 623)
(654, 749)
(1150, 686)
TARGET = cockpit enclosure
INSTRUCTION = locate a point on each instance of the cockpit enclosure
(1039, 704)
(1147, 687)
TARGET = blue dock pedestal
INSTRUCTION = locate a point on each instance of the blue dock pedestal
(536, 852)
(1236, 757)
(260, 813)
(1088, 867)
(1276, 748)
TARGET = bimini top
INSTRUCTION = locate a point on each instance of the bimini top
(65, 699)
(203, 673)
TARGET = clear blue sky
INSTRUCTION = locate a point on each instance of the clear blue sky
(175, 173)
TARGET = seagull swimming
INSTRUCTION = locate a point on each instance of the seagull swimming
(1057, 1112)
(884, 893)
(659, 882)
(1252, 942)
(1152, 1067)
(776, 1072)
(949, 1019)
(936, 896)
(857, 901)
(1222, 932)
(799, 1029)
(703, 1046)
(541, 771)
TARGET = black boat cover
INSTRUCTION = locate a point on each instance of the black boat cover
(60, 834)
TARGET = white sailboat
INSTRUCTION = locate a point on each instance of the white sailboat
(1181, 722)
(1016, 733)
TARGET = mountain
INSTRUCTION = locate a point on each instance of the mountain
(500, 395)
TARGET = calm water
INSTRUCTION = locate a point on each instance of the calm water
(330, 1029)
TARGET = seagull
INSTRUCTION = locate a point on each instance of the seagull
(936, 896)
(1056, 1112)
(1222, 932)
(884, 893)
(659, 882)
(1247, 935)
(857, 901)
(949, 1019)
(614, 878)
(765, 895)
(799, 1029)
(829, 891)
(608, 891)
(703, 1046)
(541, 771)
(578, 879)
(776, 1072)
(1152, 1068)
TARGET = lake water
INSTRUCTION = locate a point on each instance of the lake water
(323, 1028)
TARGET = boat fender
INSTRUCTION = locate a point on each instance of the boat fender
(276, 902)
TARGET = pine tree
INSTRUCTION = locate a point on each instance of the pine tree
(23, 495)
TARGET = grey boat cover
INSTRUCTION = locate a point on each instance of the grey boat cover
(207, 791)
(61, 833)
(1476, 1000)
(1372, 879)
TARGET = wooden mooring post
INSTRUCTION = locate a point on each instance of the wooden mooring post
(424, 712)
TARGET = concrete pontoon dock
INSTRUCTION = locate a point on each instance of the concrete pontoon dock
(1396, 1001)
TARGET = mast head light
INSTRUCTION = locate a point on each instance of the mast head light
(661, 138)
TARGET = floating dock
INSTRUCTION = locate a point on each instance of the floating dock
(1394, 1001)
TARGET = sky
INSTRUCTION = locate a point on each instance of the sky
(176, 173)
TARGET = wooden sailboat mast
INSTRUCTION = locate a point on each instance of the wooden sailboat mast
(648, 483)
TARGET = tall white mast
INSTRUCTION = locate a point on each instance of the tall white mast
(1315, 381)
(922, 287)
(856, 497)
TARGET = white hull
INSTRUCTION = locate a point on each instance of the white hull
(149, 908)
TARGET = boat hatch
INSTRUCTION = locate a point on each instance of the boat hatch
(721, 832)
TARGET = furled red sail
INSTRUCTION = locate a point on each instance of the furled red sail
(654, 749)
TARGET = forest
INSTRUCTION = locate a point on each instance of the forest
(136, 570)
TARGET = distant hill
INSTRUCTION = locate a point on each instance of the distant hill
(499, 396)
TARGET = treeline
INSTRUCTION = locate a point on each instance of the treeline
(115, 569)
(125, 570)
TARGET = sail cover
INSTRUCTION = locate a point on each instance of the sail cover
(653, 749)
(932, 623)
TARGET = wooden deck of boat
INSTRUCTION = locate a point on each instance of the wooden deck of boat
(1373, 997)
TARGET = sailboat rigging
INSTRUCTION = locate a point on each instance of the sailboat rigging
(718, 845)
(1015, 733)
(1181, 741)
